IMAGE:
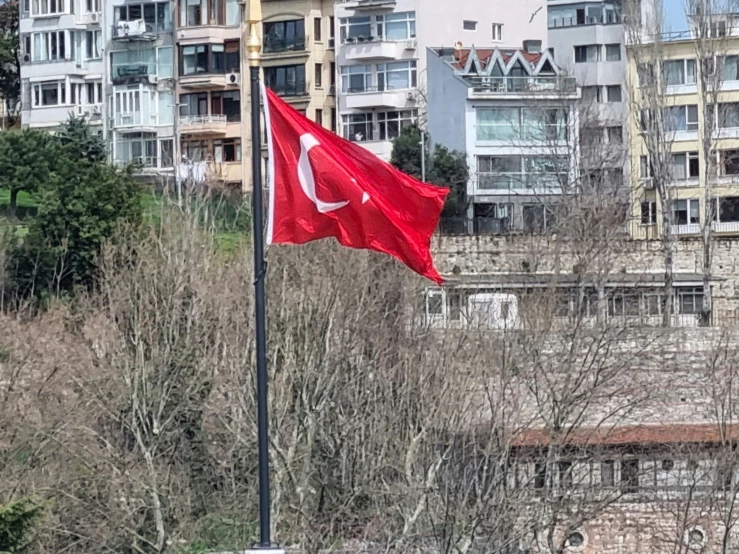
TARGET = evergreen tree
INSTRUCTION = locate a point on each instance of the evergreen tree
(10, 67)
(406, 155)
(26, 159)
(18, 520)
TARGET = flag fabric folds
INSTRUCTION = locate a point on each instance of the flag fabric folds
(324, 186)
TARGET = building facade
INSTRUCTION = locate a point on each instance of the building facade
(62, 65)
(688, 122)
(381, 56)
(515, 116)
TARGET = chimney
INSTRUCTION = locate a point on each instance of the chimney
(532, 46)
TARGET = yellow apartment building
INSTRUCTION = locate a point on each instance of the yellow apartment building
(679, 95)
(213, 93)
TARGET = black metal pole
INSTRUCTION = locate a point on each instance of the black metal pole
(265, 540)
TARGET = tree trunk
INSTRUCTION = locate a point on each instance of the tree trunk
(668, 255)
(13, 203)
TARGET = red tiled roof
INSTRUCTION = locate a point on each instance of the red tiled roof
(484, 54)
(655, 434)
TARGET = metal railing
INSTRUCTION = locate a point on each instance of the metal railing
(186, 120)
(530, 85)
(608, 19)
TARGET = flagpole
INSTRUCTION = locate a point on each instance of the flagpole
(253, 50)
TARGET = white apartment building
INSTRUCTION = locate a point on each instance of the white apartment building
(381, 55)
(588, 41)
(140, 88)
(62, 67)
(515, 114)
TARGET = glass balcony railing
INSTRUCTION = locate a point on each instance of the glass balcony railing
(275, 45)
(523, 85)
(132, 72)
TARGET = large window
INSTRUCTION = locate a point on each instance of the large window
(288, 80)
(729, 162)
(52, 45)
(227, 150)
(156, 15)
(587, 53)
(728, 115)
(48, 7)
(194, 104)
(356, 78)
(281, 36)
(131, 64)
(686, 211)
(49, 94)
(539, 217)
(685, 166)
(510, 124)
(226, 103)
(681, 118)
(730, 67)
(679, 72)
(392, 123)
(727, 209)
(521, 172)
(649, 213)
(93, 45)
(396, 75)
(396, 26)
(137, 148)
(358, 127)
(355, 28)
(208, 58)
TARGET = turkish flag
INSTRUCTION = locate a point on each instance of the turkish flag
(324, 186)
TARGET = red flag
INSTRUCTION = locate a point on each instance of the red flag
(324, 186)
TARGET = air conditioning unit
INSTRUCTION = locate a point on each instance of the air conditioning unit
(97, 110)
(94, 17)
(233, 78)
(648, 184)
(26, 58)
(410, 96)
(411, 44)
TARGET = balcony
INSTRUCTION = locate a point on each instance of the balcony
(294, 45)
(371, 97)
(725, 226)
(688, 229)
(372, 48)
(199, 81)
(361, 5)
(136, 30)
(552, 86)
(608, 19)
(522, 183)
(204, 124)
(383, 149)
(135, 72)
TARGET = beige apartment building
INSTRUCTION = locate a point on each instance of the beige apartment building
(213, 95)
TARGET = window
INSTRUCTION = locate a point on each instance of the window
(613, 52)
(333, 119)
(166, 152)
(505, 124)
(194, 104)
(565, 474)
(155, 15)
(195, 150)
(137, 148)
(469, 25)
(591, 94)
(227, 150)
(194, 59)
(286, 80)
(92, 6)
(690, 301)
(686, 211)
(49, 94)
(538, 218)
(225, 103)
(48, 7)
(50, 46)
(615, 135)
(356, 78)
(587, 53)
(679, 72)
(718, 29)
(646, 170)
(317, 28)
(396, 26)
(434, 304)
(331, 31)
(727, 209)
(685, 165)
(283, 36)
(729, 68)
(358, 127)
(607, 475)
(730, 162)
(622, 303)
(319, 116)
(521, 172)
(332, 76)
(540, 475)
(645, 73)
(613, 93)
(649, 213)
(94, 93)
(497, 32)
(681, 118)
(728, 116)
(630, 475)
(318, 75)
(396, 75)
(391, 124)
(93, 45)
(353, 29)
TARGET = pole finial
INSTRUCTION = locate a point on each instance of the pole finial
(254, 24)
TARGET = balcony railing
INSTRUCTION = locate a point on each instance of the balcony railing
(137, 29)
(523, 85)
(202, 119)
(609, 19)
(298, 89)
(725, 226)
(132, 72)
(520, 181)
(688, 229)
(273, 46)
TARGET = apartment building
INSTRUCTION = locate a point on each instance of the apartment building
(62, 66)
(213, 96)
(515, 116)
(587, 40)
(673, 81)
(140, 95)
(382, 56)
